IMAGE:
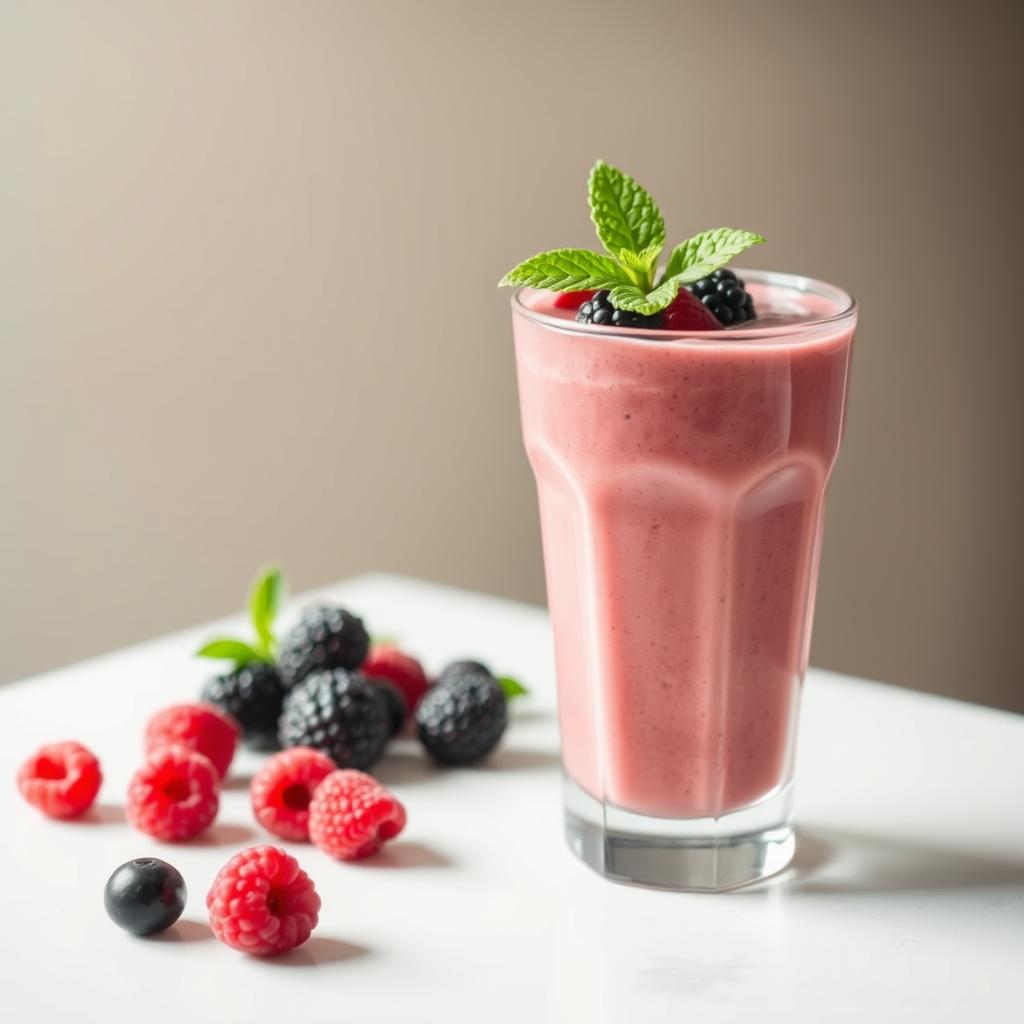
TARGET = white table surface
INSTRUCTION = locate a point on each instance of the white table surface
(906, 901)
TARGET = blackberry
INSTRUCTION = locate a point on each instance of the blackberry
(726, 296)
(252, 695)
(394, 701)
(458, 669)
(340, 713)
(599, 310)
(461, 721)
(325, 637)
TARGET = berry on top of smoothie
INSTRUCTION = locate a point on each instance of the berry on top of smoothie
(629, 291)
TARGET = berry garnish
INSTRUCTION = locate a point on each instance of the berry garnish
(60, 779)
(353, 815)
(632, 231)
(687, 313)
(325, 637)
(262, 902)
(726, 296)
(572, 300)
(282, 789)
(600, 311)
(461, 720)
(145, 896)
(252, 691)
(340, 713)
(174, 795)
(386, 661)
(252, 695)
(200, 727)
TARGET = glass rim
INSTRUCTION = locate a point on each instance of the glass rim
(846, 314)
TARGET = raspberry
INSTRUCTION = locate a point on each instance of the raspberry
(687, 313)
(324, 637)
(572, 300)
(352, 815)
(282, 789)
(262, 902)
(61, 779)
(387, 662)
(174, 795)
(200, 727)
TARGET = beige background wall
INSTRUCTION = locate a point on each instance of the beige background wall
(247, 303)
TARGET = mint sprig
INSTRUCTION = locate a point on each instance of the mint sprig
(512, 688)
(264, 601)
(632, 230)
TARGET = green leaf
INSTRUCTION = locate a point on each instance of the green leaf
(566, 270)
(512, 687)
(707, 252)
(631, 298)
(231, 650)
(625, 215)
(640, 265)
(264, 600)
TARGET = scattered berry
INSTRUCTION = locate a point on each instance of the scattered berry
(61, 779)
(726, 296)
(262, 902)
(687, 313)
(599, 310)
(200, 727)
(387, 662)
(457, 669)
(352, 815)
(572, 300)
(340, 713)
(325, 637)
(461, 721)
(282, 789)
(145, 896)
(395, 704)
(174, 795)
(252, 696)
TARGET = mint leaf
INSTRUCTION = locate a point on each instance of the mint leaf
(231, 650)
(640, 265)
(264, 600)
(512, 687)
(567, 270)
(625, 215)
(631, 298)
(707, 252)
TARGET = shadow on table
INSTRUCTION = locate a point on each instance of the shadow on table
(834, 862)
(185, 931)
(319, 951)
(224, 834)
(403, 854)
(100, 814)
(412, 766)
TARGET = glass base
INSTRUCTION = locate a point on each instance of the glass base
(682, 854)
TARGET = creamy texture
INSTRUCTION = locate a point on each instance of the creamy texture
(681, 488)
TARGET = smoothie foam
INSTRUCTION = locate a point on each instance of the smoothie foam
(681, 486)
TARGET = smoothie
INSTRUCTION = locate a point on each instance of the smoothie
(681, 484)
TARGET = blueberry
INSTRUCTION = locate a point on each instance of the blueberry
(145, 896)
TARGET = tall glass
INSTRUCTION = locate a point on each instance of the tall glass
(681, 482)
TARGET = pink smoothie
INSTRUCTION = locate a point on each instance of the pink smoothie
(681, 484)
